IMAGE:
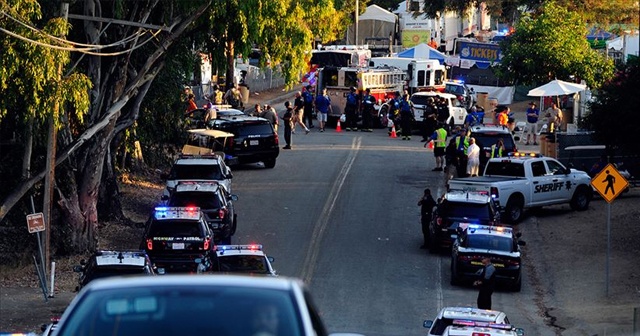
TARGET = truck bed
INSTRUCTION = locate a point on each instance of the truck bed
(484, 179)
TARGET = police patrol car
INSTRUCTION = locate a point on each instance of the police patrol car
(104, 264)
(242, 259)
(214, 201)
(475, 328)
(200, 168)
(447, 315)
(476, 242)
(528, 180)
(177, 239)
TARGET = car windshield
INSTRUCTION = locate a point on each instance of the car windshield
(204, 200)
(243, 264)
(172, 228)
(255, 129)
(486, 140)
(196, 172)
(420, 99)
(454, 89)
(463, 209)
(230, 112)
(184, 310)
(489, 242)
(498, 168)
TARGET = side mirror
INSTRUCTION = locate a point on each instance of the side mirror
(271, 259)
(78, 269)
(161, 271)
(519, 331)
(229, 175)
(427, 324)
(234, 197)
(522, 243)
(567, 171)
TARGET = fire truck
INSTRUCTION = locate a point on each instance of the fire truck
(422, 74)
(382, 81)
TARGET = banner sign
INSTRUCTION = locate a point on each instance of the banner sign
(411, 38)
(482, 52)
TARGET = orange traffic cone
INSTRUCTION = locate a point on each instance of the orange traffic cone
(338, 127)
(393, 132)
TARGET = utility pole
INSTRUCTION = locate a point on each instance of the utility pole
(49, 180)
(357, 14)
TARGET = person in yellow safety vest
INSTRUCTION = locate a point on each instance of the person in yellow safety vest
(497, 149)
(462, 144)
(439, 137)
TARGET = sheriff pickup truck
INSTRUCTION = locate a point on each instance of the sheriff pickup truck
(527, 181)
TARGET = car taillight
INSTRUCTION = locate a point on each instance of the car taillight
(276, 139)
(439, 221)
(512, 263)
(149, 244)
(206, 244)
(480, 334)
(494, 192)
(221, 213)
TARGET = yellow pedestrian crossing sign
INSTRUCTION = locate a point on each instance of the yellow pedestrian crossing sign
(609, 183)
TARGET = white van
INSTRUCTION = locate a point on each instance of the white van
(457, 113)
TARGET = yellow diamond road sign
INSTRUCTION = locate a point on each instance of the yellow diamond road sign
(609, 183)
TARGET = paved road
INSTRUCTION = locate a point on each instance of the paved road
(339, 211)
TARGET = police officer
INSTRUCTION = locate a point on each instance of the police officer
(486, 284)
(462, 144)
(497, 149)
(429, 122)
(368, 102)
(350, 110)
(426, 204)
(406, 116)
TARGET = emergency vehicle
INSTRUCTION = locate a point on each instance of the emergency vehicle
(383, 83)
(422, 74)
(476, 328)
(242, 259)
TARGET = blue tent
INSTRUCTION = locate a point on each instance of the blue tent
(423, 51)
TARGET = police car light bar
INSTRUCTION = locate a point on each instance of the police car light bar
(524, 154)
(177, 213)
(252, 247)
(469, 323)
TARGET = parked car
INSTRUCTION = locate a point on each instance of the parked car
(457, 112)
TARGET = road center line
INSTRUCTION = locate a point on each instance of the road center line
(322, 222)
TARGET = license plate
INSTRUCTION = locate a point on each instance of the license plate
(498, 265)
(253, 142)
(178, 246)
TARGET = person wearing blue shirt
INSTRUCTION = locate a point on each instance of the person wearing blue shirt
(533, 114)
(350, 110)
(323, 105)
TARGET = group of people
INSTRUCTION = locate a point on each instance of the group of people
(232, 97)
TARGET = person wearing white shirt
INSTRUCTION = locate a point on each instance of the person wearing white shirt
(473, 158)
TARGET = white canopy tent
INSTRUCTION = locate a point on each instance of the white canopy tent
(374, 22)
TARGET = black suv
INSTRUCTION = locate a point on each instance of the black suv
(254, 139)
(486, 136)
(178, 239)
(458, 209)
(214, 201)
(104, 264)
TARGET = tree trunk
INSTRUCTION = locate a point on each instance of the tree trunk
(231, 62)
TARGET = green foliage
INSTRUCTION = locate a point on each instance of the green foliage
(29, 73)
(614, 112)
(389, 5)
(550, 44)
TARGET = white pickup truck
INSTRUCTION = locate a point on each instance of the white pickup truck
(522, 182)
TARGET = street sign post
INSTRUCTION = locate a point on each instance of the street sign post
(35, 222)
(609, 184)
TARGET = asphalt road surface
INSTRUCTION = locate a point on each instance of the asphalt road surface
(339, 211)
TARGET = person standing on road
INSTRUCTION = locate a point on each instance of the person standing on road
(429, 122)
(451, 157)
(426, 204)
(462, 145)
(350, 109)
(298, 114)
(323, 104)
(533, 114)
(368, 103)
(406, 117)
(308, 106)
(269, 113)
(473, 158)
(440, 141)
(486, 284)
(288, 114)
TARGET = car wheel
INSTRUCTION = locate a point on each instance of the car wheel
(454, 277)
(581, 198)
(513, 210)
(270, 163)
(234, 225)
(517, 286)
